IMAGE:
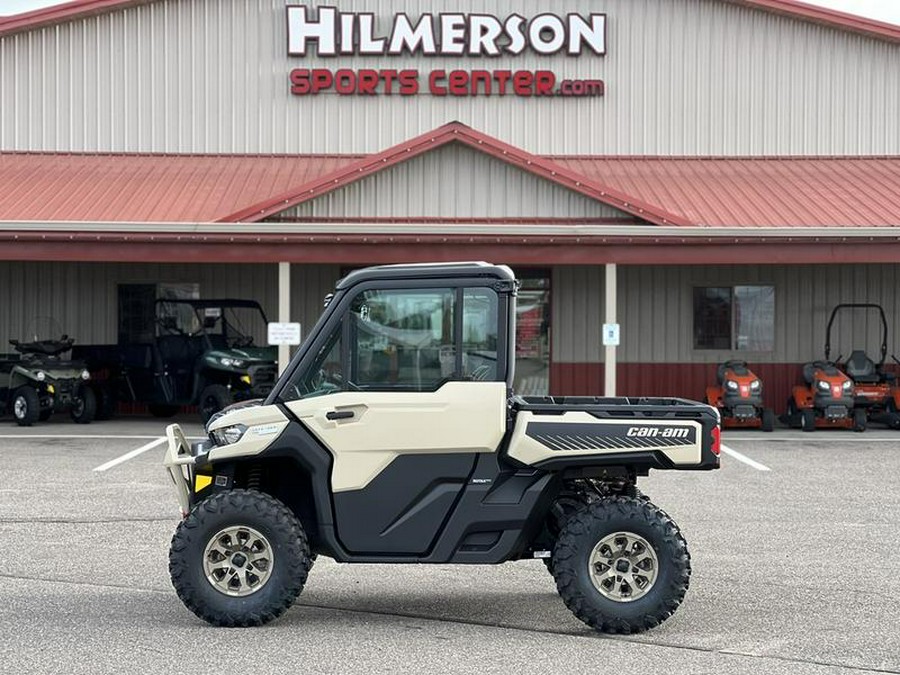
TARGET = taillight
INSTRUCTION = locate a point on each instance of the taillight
(716, 440)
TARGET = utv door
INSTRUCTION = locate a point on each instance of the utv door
(404, 399)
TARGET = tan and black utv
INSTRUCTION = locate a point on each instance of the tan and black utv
(394, 437)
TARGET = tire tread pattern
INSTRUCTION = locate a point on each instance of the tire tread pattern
(579, 533)
(190, 537)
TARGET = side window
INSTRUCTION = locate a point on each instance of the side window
(479, 334)
(402, 340)
(324, 376)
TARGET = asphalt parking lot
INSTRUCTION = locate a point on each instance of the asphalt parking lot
(794, 548)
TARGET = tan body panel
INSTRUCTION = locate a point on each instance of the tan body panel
(460, 417)
(532, 451)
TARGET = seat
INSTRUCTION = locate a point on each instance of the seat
(860, 368)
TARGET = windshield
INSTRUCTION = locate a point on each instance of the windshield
(226, 326)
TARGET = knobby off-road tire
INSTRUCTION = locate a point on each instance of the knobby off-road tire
(256, 516)
(581, 543)
(84, 407)
(26, 406)
(569, 505)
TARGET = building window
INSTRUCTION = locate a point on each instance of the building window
(533, 333)
(734, 318)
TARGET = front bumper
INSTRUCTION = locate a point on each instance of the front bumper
(179, 462)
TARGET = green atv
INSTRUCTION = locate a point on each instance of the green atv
(40, 382)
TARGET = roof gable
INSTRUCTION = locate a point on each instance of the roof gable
(454, 183)
(456, 132)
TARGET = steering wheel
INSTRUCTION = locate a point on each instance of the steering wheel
(243, 341)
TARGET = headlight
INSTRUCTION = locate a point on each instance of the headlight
(85, 375)
(731, 384)
(756, 385)
(229, 435)
(848, 385)
(229, 362)
(823, 385)
(41, 376)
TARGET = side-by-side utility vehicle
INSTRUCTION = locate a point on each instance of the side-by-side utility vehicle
(40, 382)
(203, 355)
(394, 437)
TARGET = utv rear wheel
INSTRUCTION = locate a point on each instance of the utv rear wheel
(621, 565)
(240, 558)
(84, 407)
(768, 419)
(26, 406)
(214, 398)
(859, 419)
(808, 419)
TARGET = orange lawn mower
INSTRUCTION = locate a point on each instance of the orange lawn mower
(825, 401)
(875, 391)
(738, 396)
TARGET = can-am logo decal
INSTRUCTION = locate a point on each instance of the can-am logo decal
(658, 432)
(327, 32)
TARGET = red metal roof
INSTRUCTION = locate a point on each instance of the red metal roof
(70, 11)
(148, 188)
(783, 191)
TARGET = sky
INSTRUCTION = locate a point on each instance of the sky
(883, 10)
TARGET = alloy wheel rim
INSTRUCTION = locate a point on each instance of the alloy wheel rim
(238, 561)
(623, 567)
(20, 407)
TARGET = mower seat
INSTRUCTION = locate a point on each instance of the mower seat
(860, 368)
(737, 367)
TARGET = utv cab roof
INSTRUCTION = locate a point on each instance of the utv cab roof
(457, 270)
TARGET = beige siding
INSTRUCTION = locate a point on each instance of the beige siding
(82, 297)
(576, 299)
(453, 182)
(656, 310)
(683, 77)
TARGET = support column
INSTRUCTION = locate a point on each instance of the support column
(284, 311)
(609, 366)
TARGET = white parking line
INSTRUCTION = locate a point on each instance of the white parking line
(743, 458)
(75, 436)
(131, 455)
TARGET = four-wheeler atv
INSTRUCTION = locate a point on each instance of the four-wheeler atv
(40, 383)
(393, 437)
(738, 396)
(826, 400)
(203, 356)
(874, 389)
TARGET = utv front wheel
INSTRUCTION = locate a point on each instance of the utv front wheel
(26, 406)
(621, 565)
(240, 558)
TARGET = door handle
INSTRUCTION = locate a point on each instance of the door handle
(339, 414)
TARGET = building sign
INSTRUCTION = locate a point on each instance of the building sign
(330, 33)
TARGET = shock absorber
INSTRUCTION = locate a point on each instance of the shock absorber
(254, 477)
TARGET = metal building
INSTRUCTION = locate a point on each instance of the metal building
(711, 175)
